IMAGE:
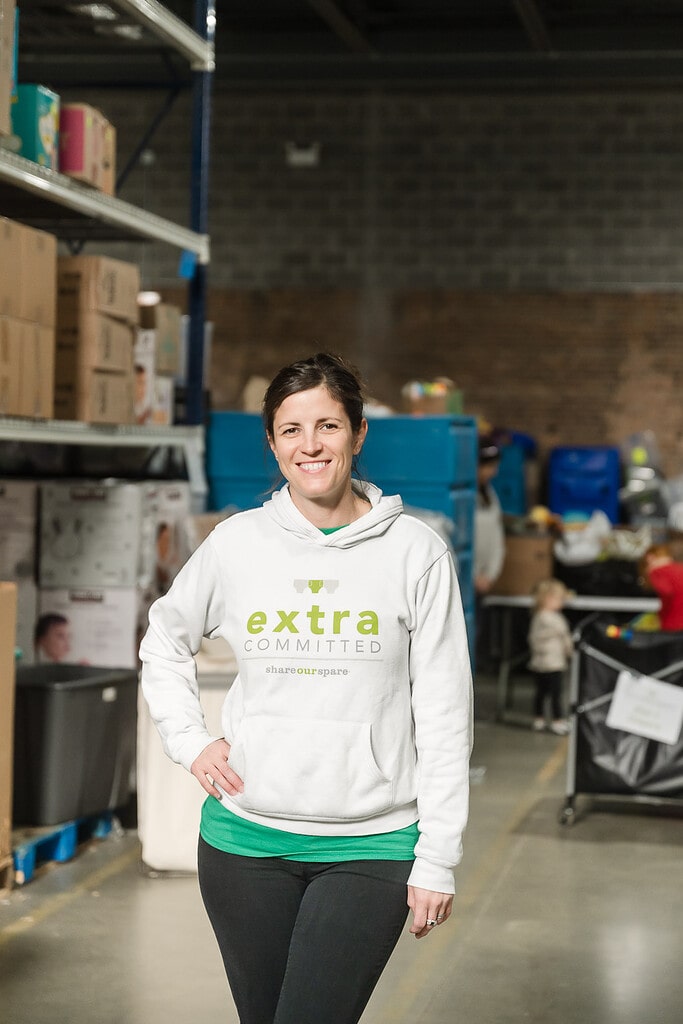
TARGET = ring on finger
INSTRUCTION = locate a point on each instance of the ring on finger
(440, 918)
(430, 924)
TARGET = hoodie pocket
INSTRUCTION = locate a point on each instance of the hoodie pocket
(317, 770)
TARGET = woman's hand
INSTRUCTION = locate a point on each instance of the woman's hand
(212, 767)
(428, 906)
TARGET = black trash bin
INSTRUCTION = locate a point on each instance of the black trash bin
(74, 741)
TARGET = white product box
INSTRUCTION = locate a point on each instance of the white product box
(18, 532)
(144, 363)
(90, 534)
(88, 626)
(163, 402)
(169, 798)
(167, 507)
(27, 610)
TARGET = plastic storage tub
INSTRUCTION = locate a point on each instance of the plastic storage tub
(586, 480)
(74, 741)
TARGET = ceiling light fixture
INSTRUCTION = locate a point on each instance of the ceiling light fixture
(98, 12)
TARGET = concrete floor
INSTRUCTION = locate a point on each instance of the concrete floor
(578, 925)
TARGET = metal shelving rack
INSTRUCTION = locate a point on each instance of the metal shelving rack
(59, 203)
(56, 203)
(190, 440)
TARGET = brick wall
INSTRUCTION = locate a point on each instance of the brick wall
(579, 191)
(528, 246)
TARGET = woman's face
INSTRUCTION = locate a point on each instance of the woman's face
(314, 444)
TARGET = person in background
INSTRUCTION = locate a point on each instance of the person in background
(338, 793)
(551, 647)
(52, 638)
(665, 576)
(489, 540)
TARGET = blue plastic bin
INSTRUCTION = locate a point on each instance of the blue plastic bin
(586, 480)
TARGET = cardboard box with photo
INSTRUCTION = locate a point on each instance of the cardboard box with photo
(87, 626)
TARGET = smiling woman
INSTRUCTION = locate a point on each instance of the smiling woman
(315, 444)
(352, 709)
(313, 415)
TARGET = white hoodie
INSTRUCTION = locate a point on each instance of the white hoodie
(352, 710)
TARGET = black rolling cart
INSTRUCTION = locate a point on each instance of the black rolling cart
(610, 763)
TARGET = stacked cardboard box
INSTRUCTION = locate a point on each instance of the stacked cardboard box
(97, 315)
(28, 259)
(8, 612)
(528, 560)
(87, 146)
(157, 362)
(7, 63)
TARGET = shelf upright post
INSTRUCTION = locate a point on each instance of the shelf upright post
(205, 26)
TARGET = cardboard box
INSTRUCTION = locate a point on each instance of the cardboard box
(38, 277)
(35, 121)
(10, 262)
(166, 321)
(81, 141)
(11, 336)
(8, 625)
(28, 282)
(99, 284)
(90, 534)
(18, 536)
(7, 63)
(92, 341)
(37, 371)
(108, 185)
(144, 362)
(528, 560)
(93, 626)
(96, 397)
(439, 397)
(27, 353)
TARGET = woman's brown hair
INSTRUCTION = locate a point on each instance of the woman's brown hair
(342, 380)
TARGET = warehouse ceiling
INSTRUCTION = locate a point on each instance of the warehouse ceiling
(476, 44)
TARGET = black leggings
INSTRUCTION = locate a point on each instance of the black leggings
(302, 943)
(548, 686)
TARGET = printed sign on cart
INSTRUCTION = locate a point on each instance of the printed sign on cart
(647, 707)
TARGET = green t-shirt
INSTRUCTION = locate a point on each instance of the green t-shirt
(226, 831)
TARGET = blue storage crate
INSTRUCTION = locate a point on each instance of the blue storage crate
(464, 568)
(457, 504)
(509, 482)
(421, 449)
(236, 446)
(584, 479)
(227, 491)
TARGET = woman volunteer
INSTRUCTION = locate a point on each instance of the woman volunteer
(338, 793)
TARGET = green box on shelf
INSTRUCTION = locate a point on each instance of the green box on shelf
(35, 121)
